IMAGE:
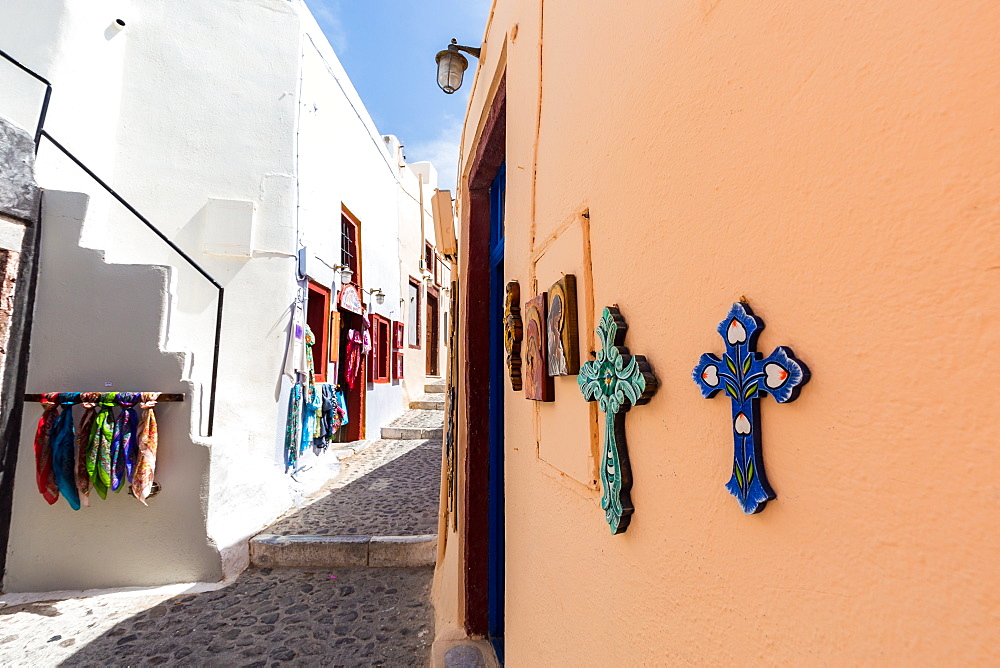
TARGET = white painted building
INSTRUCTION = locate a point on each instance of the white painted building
(232, 126)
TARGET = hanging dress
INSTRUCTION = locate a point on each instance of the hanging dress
(44, 476)
(89, 402)
(63, 445)
(355, 344)
(145, 465)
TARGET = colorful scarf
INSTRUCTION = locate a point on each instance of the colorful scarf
(292, 427)
(145, 465)
(89, 402)
(44, 476)
(123, 442)
(63, 439)
(99, 453)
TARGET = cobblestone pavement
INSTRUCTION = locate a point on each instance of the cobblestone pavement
(390, 489)
(333, 617)
(268, 617)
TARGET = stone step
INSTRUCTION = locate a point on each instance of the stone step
(416, 424)
(440, 387)
(412, 433)
(431, 402)
(304, 551)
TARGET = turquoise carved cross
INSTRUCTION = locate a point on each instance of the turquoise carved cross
(616, 380)
(744, 375)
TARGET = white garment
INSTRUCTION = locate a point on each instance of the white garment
(295, 354)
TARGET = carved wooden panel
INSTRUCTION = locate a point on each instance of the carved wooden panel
(537, 382)
(561, 326)
(513, 332)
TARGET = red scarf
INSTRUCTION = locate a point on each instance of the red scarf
(44, 475)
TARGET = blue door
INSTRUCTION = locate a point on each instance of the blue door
(497, 357)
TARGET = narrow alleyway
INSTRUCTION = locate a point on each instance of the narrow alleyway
(303, 615)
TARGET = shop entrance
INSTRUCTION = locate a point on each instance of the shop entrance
(433, 332)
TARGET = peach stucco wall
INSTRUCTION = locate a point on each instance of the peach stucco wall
(838, 164)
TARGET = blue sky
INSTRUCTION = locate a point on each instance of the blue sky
(387, 48)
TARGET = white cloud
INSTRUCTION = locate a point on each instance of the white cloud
(327, 13)
(441, 151)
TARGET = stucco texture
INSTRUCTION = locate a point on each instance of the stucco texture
(838, 165)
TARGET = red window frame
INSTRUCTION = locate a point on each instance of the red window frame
(398, 336)
(381, 349)
(318, 319)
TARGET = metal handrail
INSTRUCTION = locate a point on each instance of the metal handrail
(45, 100)
(41, 132)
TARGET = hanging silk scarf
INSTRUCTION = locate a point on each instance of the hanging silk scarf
(292, 427)
(63, 445)
(99, 453)
(89, 402)
(145, 466)
(123, 446)
(44, 476)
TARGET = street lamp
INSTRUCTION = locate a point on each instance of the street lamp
(452, 65)
(377, 294)
(345, 273)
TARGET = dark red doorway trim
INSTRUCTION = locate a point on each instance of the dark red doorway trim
(489, 155)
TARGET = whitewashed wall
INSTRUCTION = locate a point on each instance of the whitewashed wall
(192, 103)
(411, 252)
(333, 125)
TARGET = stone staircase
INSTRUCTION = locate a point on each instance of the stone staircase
(381, 511)
(424, 420)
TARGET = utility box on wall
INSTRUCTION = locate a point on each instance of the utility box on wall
(228, 227)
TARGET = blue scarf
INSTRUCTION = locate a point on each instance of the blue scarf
(63, 443)
(124, 445)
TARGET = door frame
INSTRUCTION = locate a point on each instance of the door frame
(432, 357)
(490, 153)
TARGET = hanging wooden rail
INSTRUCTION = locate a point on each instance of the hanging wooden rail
(162, 398)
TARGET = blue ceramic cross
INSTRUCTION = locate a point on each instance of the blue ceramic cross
(616, 380)
(745, 375)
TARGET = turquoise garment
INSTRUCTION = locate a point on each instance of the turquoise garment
(313, 413)
(342, 404)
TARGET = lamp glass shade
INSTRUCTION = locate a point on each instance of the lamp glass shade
(346, 275)
(379, 298)
(451, 69)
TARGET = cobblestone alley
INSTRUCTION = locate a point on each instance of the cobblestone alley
(314, 616)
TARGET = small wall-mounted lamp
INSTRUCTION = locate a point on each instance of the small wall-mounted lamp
(345, 273)
(452, 65)
(377, 294)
